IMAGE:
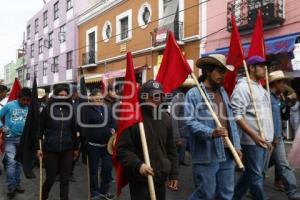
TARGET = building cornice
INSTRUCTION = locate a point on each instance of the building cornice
(96, 10)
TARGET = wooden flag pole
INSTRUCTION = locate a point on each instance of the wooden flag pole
(262, 135)
(88, 176)
(227, 140)
(41, 172)
(147, 160)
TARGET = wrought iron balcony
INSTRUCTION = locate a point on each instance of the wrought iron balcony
(245, 12)
(160, 34)
(89, 58)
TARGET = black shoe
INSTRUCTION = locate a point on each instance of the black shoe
(11, 193)
(31, 175)
(19, 189)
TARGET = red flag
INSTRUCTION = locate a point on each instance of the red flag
(14, 94)
(132, 116)
(174, 68)
(235, 58)
(257, 46)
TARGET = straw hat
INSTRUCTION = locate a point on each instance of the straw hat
(111, 144)
(41, 93)
(277, 76)
(214, 59)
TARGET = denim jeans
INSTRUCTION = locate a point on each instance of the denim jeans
(214, 180)
(94, 155)
(255, 161)
(284, 171)
(13, 168)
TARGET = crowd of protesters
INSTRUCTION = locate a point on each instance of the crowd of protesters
(186, 125)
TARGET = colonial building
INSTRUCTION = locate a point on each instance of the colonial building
(111, 28)
(52, 42)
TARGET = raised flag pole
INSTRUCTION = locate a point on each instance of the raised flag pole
(257, 118)
(41, 172)
(147, 160)
(227, 140)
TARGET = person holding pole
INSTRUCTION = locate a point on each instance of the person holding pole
(278, 87)
(213, 164)
(255, 141)
(59, 141)
(161, 146)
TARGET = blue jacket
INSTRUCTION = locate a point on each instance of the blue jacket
(276, 112)
(15, 117)
(204, 148)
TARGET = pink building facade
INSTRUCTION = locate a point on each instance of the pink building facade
(281, 23)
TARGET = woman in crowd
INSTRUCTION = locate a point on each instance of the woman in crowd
(59, 141)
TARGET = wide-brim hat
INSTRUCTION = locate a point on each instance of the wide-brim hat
(277, 76)
(214, 59)
(255, 60)
(41, 93)
(111, 144)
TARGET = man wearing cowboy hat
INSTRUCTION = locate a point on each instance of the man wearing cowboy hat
(213, 165)
(278, 87)
(255, 148)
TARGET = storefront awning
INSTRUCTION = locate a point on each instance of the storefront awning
(275, 45)
(109, 75)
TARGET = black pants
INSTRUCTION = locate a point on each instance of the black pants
(57, 162)
(140, 191)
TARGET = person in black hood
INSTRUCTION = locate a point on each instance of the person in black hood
(161, 146)
(59, 142)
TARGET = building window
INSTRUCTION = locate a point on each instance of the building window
(41, 46)
(62, 33)
(36, 26)
(50, 38)
(55, 65)
(69, 60)
(124, 26)
(45, 18)
(106, 31)
(44, 68)
(144, 15)
(69, 4)
(28, 32)
(35, 70)
(56, 9)
(20, 74)
(32, 50)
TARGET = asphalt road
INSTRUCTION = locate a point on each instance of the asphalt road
(78, 189)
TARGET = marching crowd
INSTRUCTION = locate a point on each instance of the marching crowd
(187, 123)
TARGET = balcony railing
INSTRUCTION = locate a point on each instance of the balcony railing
(246, 10)
(160, 34)
(89, 58)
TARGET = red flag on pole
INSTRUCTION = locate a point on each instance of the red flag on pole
(235, 57)
(257, 46)
(14, 94)
(174, 68)
(130, 111)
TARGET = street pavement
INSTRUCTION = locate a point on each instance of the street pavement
(78, 189)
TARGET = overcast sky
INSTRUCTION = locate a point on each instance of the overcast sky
(13, 17)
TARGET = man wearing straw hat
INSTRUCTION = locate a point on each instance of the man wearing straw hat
(213, 165)
(277, 81)
(255, 144)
